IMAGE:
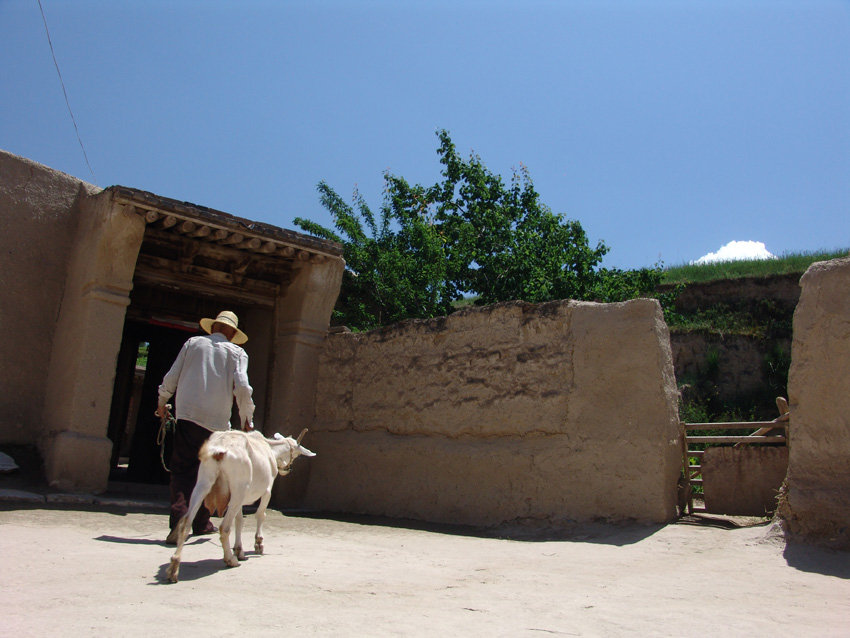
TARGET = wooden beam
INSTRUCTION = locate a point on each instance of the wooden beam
(163, 273)
(286, 251)
(185, 227)
(303, 255)
(241, 266)
(267, 248)
(188, 252)
(737, 425)
(217, 236)
(167, 222)
(200, 232)
(151, 216)
(736, 439)
(235, 238)
(249, 244)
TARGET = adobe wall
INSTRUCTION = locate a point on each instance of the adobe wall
(564, 411)
(39, 212)
(817, 498)
(743, 481)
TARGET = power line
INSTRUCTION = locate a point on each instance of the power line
(62, 82)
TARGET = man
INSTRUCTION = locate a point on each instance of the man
(210, 371)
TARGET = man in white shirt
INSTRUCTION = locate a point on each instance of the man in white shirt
(208, 374)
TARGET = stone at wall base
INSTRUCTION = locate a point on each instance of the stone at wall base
(78, 462)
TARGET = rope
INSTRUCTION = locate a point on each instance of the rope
(167, 424)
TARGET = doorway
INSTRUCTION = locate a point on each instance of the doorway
(157, 324)
(147, 351)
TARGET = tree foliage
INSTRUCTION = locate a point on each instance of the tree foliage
(468, 234)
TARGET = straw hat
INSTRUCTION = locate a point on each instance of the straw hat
(228, 319)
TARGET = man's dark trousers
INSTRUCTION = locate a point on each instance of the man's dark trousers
(188, 439)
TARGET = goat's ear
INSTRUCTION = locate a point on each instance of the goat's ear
(305, 451)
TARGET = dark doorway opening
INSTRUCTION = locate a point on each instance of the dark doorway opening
(147, 351)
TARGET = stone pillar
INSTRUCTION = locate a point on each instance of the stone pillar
(816, 501)
(86, 343)
(301, 322)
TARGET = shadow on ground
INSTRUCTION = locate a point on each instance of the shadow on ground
(523, 530)
(818, 560)
(146, 541)
(191, 570)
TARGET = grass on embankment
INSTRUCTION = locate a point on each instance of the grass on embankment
(786, 264)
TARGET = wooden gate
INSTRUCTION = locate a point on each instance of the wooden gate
(763, 432)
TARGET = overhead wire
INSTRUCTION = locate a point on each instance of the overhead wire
(67, 101)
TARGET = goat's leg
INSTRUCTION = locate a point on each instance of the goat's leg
(183, 527)
(234, 507)
(237, 545)
(224, 534)
(229, 559)
(206, 479)
(261, 516)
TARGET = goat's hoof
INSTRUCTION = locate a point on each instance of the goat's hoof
(173, 570)
(231, 562)
(240, 553)
(258, 548)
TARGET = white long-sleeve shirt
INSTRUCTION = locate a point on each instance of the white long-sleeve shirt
(209, 373)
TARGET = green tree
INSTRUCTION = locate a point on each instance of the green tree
(395, 271)
(468, 234)
(507, 244)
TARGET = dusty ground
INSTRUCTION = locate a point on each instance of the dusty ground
(65, 572)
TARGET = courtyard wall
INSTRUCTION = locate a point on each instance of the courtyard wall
(39, 216)
(563, 411)
(816, 502)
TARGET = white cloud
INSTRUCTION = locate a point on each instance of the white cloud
(736, 251)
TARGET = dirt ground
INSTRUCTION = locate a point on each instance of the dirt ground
(66, 572)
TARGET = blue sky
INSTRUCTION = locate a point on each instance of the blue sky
(667, 128)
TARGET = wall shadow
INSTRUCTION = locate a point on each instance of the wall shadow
(817, 560)
(604, 533)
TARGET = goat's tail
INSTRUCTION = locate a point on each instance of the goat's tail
(212, 451)
(219, 495)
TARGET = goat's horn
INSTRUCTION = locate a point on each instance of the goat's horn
(300, 436)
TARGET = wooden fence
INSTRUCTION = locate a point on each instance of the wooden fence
(775, 432)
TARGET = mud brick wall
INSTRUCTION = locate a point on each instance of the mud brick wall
(563, 411)
(817, 499)
(743, 481)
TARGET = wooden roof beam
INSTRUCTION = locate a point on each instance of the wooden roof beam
(235, 238)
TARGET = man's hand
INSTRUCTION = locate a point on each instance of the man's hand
(247, 426)
(161, 411)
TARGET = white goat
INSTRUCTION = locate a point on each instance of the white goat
(237, 468)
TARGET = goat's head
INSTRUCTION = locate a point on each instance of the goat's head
(286, 450)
